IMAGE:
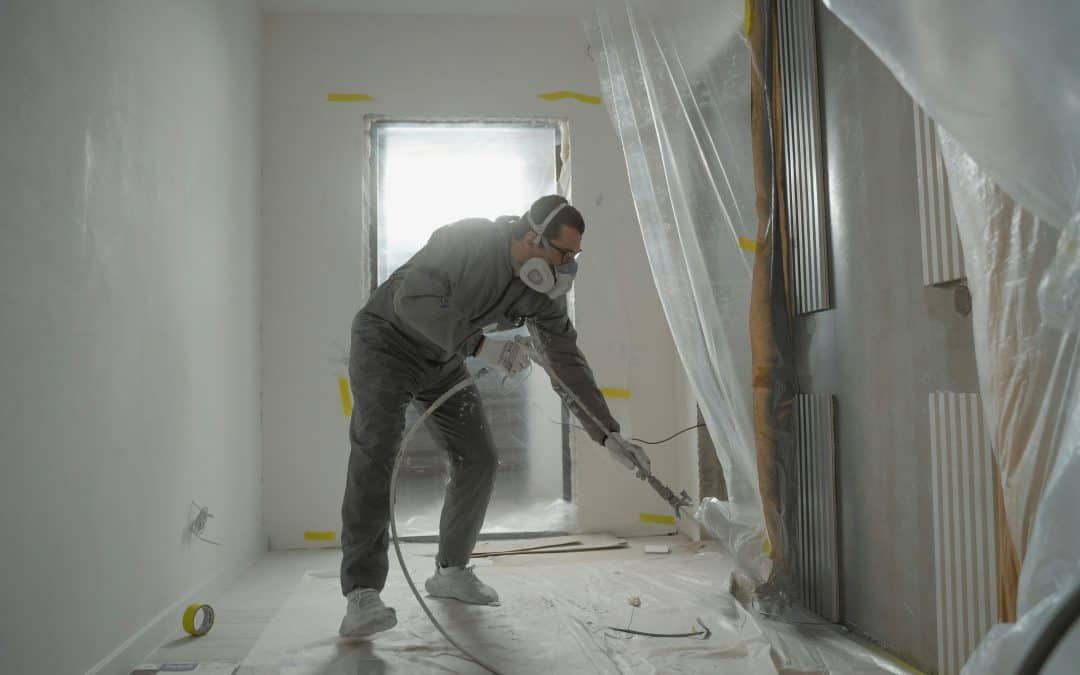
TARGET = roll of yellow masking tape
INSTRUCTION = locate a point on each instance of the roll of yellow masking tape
(205, 616)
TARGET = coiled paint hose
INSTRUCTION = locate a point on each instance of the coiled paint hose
(393, 521)
(405, 441)
(566, 394)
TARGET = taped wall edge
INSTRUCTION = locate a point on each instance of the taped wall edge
(770, 317)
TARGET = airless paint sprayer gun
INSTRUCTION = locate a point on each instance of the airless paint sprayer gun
(677, 501)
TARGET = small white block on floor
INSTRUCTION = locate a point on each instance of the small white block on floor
(657, 548)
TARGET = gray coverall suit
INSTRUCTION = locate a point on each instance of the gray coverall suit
(409, 343)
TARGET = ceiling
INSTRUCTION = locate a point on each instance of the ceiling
(535, 8)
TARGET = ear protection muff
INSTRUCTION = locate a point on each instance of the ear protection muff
(540, 228)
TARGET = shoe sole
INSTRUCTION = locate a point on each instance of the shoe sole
(375, 626)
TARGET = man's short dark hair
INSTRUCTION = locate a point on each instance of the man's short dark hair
(568, 215)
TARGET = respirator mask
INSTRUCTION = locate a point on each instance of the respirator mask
(537, 273)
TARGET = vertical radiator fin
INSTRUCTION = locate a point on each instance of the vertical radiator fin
(943, 259)
(965, 561)
(814, 518)
(804, 176)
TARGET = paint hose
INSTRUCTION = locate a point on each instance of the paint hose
(470, 380)
(569, 397)
(393, 521)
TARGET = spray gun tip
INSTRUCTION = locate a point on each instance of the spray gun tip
(680, 502)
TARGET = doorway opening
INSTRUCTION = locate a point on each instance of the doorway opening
(428, 173)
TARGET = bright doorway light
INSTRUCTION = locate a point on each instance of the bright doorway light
(432, 174)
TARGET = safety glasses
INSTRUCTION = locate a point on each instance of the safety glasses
(567, 255)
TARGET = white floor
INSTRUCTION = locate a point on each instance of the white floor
(282, 616)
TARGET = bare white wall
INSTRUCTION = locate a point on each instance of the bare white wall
(128, 320)
(314, 253)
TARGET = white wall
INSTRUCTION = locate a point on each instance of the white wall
(128, 320)
(314, 252)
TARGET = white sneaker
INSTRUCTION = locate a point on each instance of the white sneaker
(460, 583)
(365, 614)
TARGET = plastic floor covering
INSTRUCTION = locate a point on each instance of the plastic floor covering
(555, 618)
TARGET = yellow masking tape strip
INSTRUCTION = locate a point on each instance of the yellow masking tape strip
(612, 392)
(559, 95)
(747, 244)
(204, 626)
(761, 376)
(346, 396)
(320, 536)
(749, 20)
(657, 518)
(897, 661)
(348, 98)
(766, 547)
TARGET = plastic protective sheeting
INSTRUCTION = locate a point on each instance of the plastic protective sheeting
(555, 618)
(676, 80)
(1027, 367)
(1003, 77)
(1002, 81)
(1029, 372)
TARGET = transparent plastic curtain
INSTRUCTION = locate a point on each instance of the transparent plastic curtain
(676, 80)
(1029, 372)
(1002, 80)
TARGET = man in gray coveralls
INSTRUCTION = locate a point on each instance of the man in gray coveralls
(409, 344)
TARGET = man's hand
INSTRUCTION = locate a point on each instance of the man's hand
(628, 454)
(506, 355)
